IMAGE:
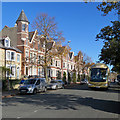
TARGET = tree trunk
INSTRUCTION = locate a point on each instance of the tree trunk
(46, 59)
(46, 73)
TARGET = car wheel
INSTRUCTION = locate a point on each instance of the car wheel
(106, 88)
(35, 91)
(45, 89)
(56, 87)
(62, 87)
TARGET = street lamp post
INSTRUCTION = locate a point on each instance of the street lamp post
(67, 62)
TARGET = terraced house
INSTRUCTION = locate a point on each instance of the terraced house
(10, 58)
(33, 50)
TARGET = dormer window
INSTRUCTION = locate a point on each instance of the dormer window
(7, 43)
(23, 27)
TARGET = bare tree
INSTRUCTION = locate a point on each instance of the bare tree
(49, 37)
(83, 62)
(79, 62)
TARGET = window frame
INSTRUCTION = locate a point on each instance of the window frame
(23, 27)
(17, 57)
(8, 58)
(10, 67)
(6, 43)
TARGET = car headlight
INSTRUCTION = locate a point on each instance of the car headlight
(106, 84)
(89, 84)
(53, 86)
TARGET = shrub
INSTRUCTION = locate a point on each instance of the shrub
(78, 78)
(59, 75)
(82, 77)
(74, 77)
(69, 78)
(11, 83)
(64, 77)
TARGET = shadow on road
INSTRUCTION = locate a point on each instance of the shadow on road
(113, 88)
(64, 102)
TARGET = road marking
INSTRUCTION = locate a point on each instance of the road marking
(18, 117)
(35, 110)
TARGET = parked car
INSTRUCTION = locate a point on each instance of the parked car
(61, 82)
(33, 76)
(54, 84)
(86, 81)
(118, 79)
(25, 77)
(33, 85)
(82, 81)
(19, 84)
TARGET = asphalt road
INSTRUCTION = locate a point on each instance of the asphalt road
(73, 102)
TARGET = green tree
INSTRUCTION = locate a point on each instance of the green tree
(106, 7)
(74, 77)
(78, 78)
(5, 81)
(3, 71)
(82, 77)
(64, 77)
(110, 53)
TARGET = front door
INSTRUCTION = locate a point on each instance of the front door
(26, 70)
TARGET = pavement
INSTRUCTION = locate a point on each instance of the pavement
(9, 93)
(13, 92)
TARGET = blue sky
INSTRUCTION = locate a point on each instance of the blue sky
(79, 21)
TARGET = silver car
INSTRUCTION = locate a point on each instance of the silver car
(54, 84)
(33, 86)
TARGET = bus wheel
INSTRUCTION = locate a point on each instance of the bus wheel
(89, 88)
(106, 88)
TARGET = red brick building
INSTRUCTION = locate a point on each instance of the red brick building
(33, 50)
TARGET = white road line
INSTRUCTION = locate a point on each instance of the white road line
(35, 110)
(18, 117)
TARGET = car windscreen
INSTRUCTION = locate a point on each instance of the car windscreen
(83, 80)
(30, 81)
(22, 81)
(53, 82)
(98, 74)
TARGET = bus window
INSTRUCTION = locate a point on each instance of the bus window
(98, 75)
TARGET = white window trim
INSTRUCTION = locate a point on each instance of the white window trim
(24, 26)
(8, 42)
(7, 55)
(14, 56)
(10, 55)
(19, 72)
(19, 57)
(10, 66)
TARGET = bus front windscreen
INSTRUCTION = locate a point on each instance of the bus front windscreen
(98, 75)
